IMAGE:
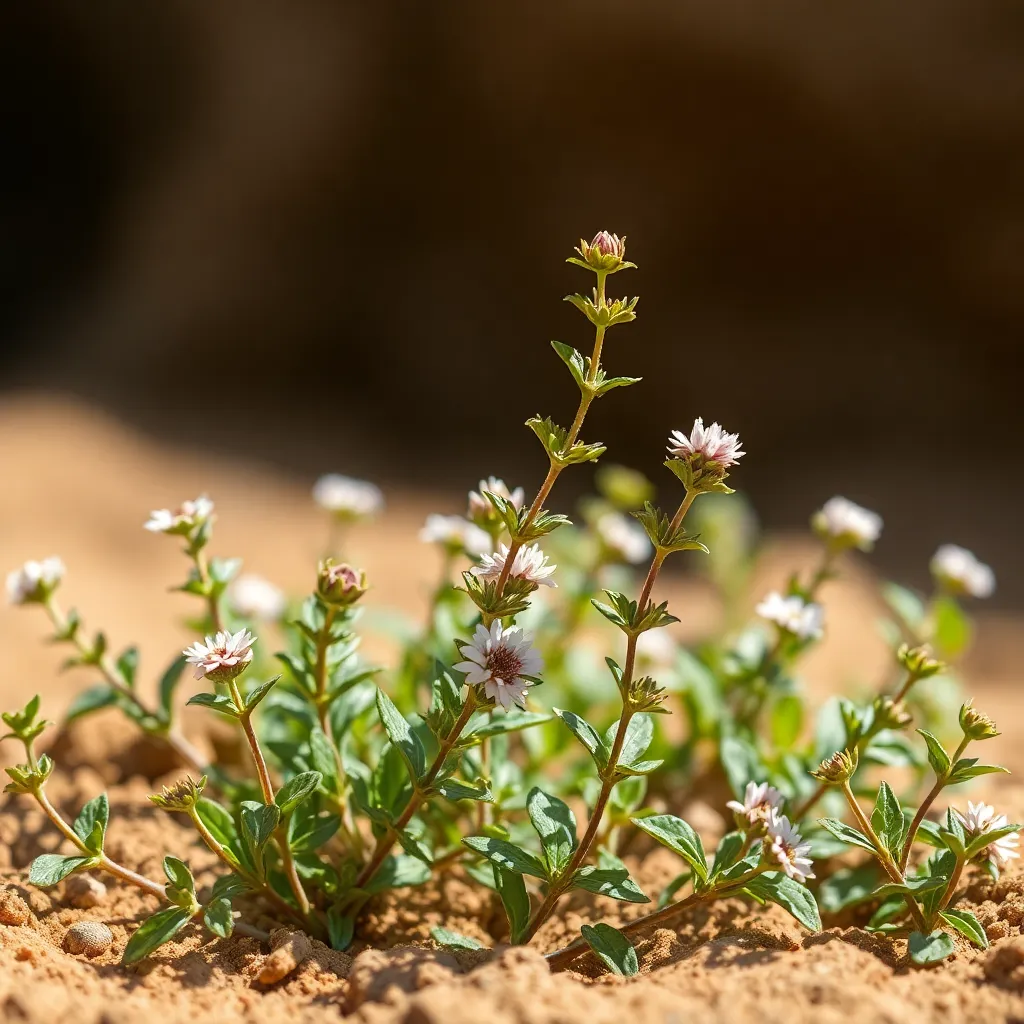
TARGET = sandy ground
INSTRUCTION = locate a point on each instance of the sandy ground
(79, 486)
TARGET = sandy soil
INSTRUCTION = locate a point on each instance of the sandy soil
(79, 486)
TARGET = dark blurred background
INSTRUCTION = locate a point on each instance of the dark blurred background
(332, 236)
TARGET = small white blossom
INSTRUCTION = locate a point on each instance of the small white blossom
(713, 443)
(657, 647)
(254, 597)
(784, 847)
(759, 801)
(223, 656)
(842, 520)
(958, 570)
(345, 496)
(530, 563)
(480, 508)
(190, 515)
(801, 618)
(34, 580)
(499, 660)
(626, 538)
(455, 532)
(982, 818)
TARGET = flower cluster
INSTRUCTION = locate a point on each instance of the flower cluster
(842, 522)
(34, 581)
(960, 572)
(346, 497)
(803, 619)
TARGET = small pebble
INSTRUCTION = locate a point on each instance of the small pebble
(13, 909)
(88, 937)
(292, 949)
(84, 891)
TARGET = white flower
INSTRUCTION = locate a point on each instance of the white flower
(455, 532)
(842, 520)
(958, 570)
(626, 538)
(982, 818)
(530, 563)
(784, 847)
(499, 660)
(34, 580)
(347, 497)
(713, 443)
(793, 614)
(480, 508)
(190, 515)
(759, 801)
(254, 597)
(223, 656)
(657, 647)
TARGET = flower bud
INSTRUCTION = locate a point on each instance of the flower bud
(34, 582)
(918, 661)
(27, 778)
(339, 583)
(182, 796)
(606, 253)
(975, 725)
(838, 768)
(891, 714)
(645, 694)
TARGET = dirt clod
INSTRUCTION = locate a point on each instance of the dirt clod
(88, 937)
(84, 891)
(291, 950)
(13, 909)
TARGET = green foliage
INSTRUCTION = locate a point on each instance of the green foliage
(612, 948)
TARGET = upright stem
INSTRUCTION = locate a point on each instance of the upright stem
(954, 881)
(212, 603)
(610, 775)
(940, 783)
(178, 743)
(323, 643)
(421, 791)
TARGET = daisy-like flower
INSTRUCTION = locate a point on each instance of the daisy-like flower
(500, 660)
(481, 511)
(981, 818)
(455, 533)
(223, 656)
(530, 563)
(624, 538)
(844, 522)
(182, 520)
(254, 597)
(801, 618)
(759, 801)
(712, 443)
(346, 497)
(34, 581)
(784, 847)
(957, 570)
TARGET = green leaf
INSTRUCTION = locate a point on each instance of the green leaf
(613, 882)
(639, 733)
(91, 824)
(218, 918)
(168, 683)
(727, 853)
(311, 833)
(507, 856)
(679, 837)
(555, 823)
(293, 792)
(906, 604)
(848, 887)
(127, 665)
(160, 928)
(401, 735)
(322, 758)
(845, 834)
(952, 627)
(178, 874)
(887, 820)
(50, 868)
(979, 843)
(515, 899)
(217, 819)
(789, 894)
(966, 769)
(612, 948)
(455, 789)
(215, 702)
(258, 824)
(912, 886)
(341, 927)
(586, 734)
(741, 763)
(929, 949)
(257, 693)
(787, 721)
(397, 873)
(94, 699)
(458, 941)
(937, 756)
(227, 887)
(512, 722)
(966, 924)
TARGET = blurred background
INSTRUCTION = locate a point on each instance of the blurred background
(330, 236)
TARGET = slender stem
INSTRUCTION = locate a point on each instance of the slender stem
(104, 862)
(912, 677)
(323, 643)
(954, 881)
(212, 602)
(421, 792)
(940, 783)
(181, 746)
(801, 811)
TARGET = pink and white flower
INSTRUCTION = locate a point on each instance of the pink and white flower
(34, 581)
(500, 660)
(456, 533)
(801, 618)
(223, 656)
(784, 847)
(346, 497)
(480, 507)
(529, 563)
(759, 801)
(845, 522)
(981, 818)
(712, 443)
(959, 571)
(182, 520)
